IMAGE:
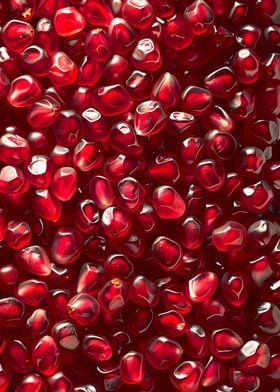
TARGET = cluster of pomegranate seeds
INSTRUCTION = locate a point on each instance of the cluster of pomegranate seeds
(139, 195)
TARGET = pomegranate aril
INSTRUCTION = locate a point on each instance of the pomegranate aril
(63, 70)
(83, 309)
(101, 191)
(59, 382)
(32, 292)
(66, 246)
(168, 203)
(138, 13)
(95, 126)
(202, 286)
(68, 21)
(149, 118)
(11, 311)
(186, 376)
(112, 100)
(168, 253)
(39, 170)
(32, 382)
(64, 183)
(163, 353)
(132, 368)
(87, 155)
(196, 100)
(4, 84)
(36, 60)
(254, 356)
(144, 292)
(229, 237)
(46, 205)
(199, 16)
(234, 288)
(24, 91)
(139, 84)
(211, 174)
(18, 356)
(243, 380)
(257, 196)
(97, 347)
(97, 45)
(246, 66)
(213, 373)
(68, 128)
(37, 323)
(46, 355)
(65, 334)
(96, 12)
(35, 260)
(166, 90)
(124, 139)
(113, 296)
(117, 69)
(146, 55)
(17, 35)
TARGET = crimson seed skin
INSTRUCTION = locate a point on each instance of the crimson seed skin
(139, 196)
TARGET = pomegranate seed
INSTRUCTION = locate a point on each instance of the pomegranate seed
(59, 382)
(32, 292)
(139, 13)
(230, 236)
(115, 222)
(168, 203)
(213, 373)
(64, 332)
(113, 295)
(24, 91)
(39, 170)
(132, 368)
(68, 21)
(186, 376)
(17, 34)
(97, 45)
(96, 12)
(84, 309)
(253, 356)
(11, 311)
(146, 55)
(38, 322)
(168, 253)
(66, 245)
(211, 174)
(199, 16)
(97, 347)
(202, 286)
(18, 356)
(101, 191)
(225, 343)
(63, 70)
(64, 183)
(46, 356)
(144, 292)
(196, 100)
(150, 118)
(35, 260)
(112, 100)
(162, 353)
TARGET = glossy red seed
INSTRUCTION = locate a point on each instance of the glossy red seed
(68, 128)
(113, 295)
(243, 380)
(14, 149)
(17, 34)
(46, 356)
(4, 84)
(251, 161)
(248, 36)
(246, 66)
(97, 45)
(112, 100)
(24, 91)
(35, 260)
(150, 118)
(166, 90)
(196, 100)
(59, 382)
(167, 203)
(170, 323)
(101, 191)
(144, 292)
(37, 323)
(46, 205)
(91, 278)
(138, 13)
(87, 155)
(199, 16)
(162, 353)
(95, 126)
(168, 252)
(124, 139)
(36, 60)
(64, 183)
(121, 36)
(257, 196)
(96, 12)
(18, 356)
(202, 286)
(186, 376)
(130, 194)
(146, 55)
(139, 84)
(225, 343)
(66, 246)
(229, 237)
(43, 112)
(116, 222)
(213, 373)
(97, 347)
(132, 368)
(211, 174)
(68, 21)
(39, 170)
(177, 32)
(32, 292)
(63, 70)
(190, 232)
(221, 82)
(234, 288)
(83, 309)
(254, 356)
(65, 334)
(11, 311)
